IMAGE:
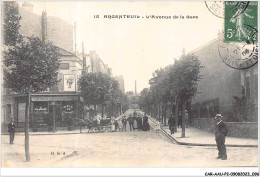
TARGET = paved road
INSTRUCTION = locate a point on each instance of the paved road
(118, 149)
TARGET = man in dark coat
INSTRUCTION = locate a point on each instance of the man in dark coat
(140, 122)
(171, 123)
(220, 135)
(11, 130)
(124, 122)
(130, 120)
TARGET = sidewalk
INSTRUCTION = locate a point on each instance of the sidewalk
(198, 137)
(58, 132)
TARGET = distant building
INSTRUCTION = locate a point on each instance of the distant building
(220, 83)
(97, 65)
(120, 80)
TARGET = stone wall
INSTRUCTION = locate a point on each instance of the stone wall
(235, 129)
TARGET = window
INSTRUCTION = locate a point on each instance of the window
(64, 66)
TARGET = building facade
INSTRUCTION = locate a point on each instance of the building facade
(221, 85)
(59, 105)
(53, 28)
(120, 80)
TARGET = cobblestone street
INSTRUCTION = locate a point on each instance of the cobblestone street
(118, 149)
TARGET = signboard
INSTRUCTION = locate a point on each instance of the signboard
(69, 82)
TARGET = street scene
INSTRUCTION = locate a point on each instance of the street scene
(141, 148)
(129, 84)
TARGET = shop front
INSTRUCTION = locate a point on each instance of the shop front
(53, 112)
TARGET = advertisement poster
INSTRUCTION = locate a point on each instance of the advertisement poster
(69, 82)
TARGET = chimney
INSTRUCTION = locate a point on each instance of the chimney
(135, 87)
(44, 26)
(84, 60)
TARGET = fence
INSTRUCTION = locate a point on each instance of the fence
(235, 129)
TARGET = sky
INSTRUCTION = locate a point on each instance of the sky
(135, 48)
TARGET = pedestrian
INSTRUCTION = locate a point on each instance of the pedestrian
(11, 130)
(98, 118)
(135, 123)
(130, 121)
(220, 135)
(180, 120)
(140, 122)
(171, 123)
(113, 124)
(124, 121)
(186, 119)
(116, 125)
(146, 125)
(120, 125)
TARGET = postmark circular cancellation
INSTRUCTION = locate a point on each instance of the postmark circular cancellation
(239, 49)
(218, 8)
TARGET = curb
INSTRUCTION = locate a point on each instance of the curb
(199, 144)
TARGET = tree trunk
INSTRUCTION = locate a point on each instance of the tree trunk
(183, 119)
(112, 109)
(165, 109)
(95, 110)
(176, 116)
(26, 129)
(102, 110)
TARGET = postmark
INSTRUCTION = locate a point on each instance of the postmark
(240, 55)
(218, 8)
(239, 27)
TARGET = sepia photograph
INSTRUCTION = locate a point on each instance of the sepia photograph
(128, 84)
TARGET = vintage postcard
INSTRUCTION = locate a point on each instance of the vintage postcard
(129, 84)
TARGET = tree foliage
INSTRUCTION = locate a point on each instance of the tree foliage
(175, 84)
(99, 88)
(11, 23)
(31, 64)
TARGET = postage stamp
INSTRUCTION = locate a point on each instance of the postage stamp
(242, 26)
(218, 8)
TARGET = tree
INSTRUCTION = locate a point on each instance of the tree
(11, 23)
(30, 66)
(95, 88)
(184, 81)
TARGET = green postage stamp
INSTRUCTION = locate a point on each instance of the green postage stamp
(241, 21)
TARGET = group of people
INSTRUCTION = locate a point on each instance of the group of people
(171, 121)
(136, 122)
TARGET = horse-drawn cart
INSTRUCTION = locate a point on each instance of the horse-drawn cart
(93, 126)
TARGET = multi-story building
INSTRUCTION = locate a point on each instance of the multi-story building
(221, 83)
(97, 65)
(57, 30)
(58, 104)
(120, 80)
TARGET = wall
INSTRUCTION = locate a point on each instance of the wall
(235, 129)
(58, 31)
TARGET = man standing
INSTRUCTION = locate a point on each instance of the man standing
(11, 130)
(124, 122)
(131, 122)
(220, 135)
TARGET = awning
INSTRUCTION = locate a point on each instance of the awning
(55, 98)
